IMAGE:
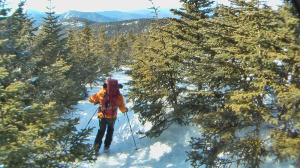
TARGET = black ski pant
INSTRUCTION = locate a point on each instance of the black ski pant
(103, 123)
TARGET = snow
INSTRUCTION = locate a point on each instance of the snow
(130, 23)
(77, 24)
(27, 108)
(168, 150)
(32, 80)
(279, 62)
(158, 149)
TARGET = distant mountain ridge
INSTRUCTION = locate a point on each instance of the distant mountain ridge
(92, 16)
(102, 16)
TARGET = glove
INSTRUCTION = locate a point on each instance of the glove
(96, 103)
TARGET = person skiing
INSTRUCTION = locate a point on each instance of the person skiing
(109, 99)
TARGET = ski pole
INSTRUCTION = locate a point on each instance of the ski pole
(91, 119)
(131, 131)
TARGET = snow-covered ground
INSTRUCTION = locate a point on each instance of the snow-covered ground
(166, 151)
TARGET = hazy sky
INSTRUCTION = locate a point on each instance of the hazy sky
(95, 5)
(104, 5)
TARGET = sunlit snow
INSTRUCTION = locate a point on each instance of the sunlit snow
(166, 151)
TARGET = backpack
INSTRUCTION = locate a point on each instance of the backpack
(109, 104)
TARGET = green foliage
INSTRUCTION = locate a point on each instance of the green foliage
(94, 56)
(234, 71)
(119, 50)
(159, 72)
(103, 49)
(17, 43)
(36, 94)
(155, 74)
(114, 29)
(246, 74)
(84, 58)
(50, 44)
(42, 75)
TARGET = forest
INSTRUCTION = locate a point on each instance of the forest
(233, 71)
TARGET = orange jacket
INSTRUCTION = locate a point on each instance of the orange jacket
(98, 97)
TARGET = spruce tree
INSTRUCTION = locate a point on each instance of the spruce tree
(119, 52)
(286, 138)
(129, 38)
(90, 63)
(32, 131)
(49, 48)
(103, 49)
(20, 33)
(155, 81)
(50, 42)
(171, 54)
(84, 58)
(240, 70)
(35, 131)
(247, 81)
(195, 33)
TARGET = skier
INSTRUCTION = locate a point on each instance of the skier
(109, 99)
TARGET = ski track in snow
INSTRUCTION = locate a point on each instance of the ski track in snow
(166, 151)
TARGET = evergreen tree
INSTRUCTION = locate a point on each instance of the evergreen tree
(30, 133)
(119, 52)
(155, 81)
(50, 43)
(86, 64)
(48, 48)
(34, 129)
(239, 65)
(129, 38)
(165, 62)
(196, 36)
(90, 63)
(103, 49)
(49, 61)
(20, 41)
(245, 76)
(286, 137)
